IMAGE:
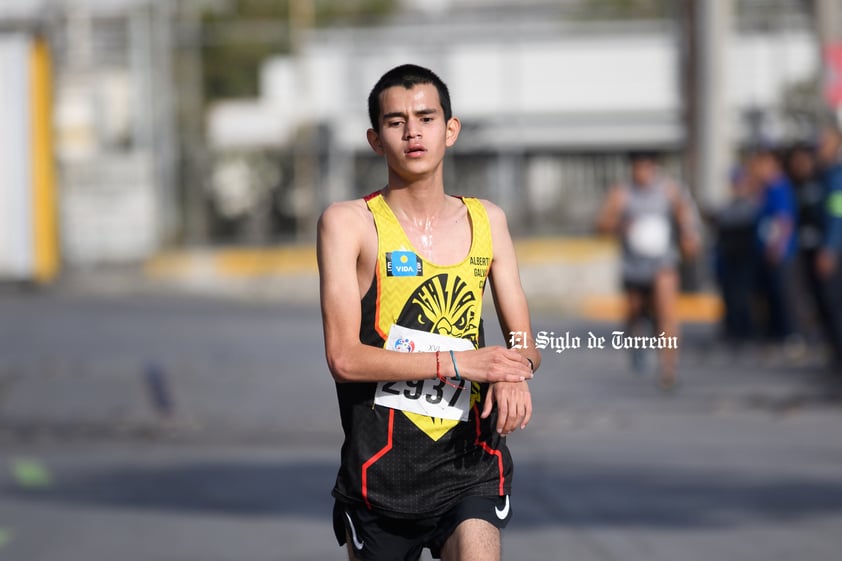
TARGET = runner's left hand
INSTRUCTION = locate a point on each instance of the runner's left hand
(514, 405)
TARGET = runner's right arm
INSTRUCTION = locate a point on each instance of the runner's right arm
(609, 219)
(342, 231)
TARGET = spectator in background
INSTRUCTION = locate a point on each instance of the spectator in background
(812, 303)
(643, 214)
(736, 257)
(777, 244)
(827, 265)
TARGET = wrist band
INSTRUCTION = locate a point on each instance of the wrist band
(438, 367)
(453, 358)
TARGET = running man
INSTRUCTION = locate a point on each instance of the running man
(643, 214)
(425, 406)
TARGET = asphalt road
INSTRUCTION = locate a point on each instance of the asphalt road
(161, 428)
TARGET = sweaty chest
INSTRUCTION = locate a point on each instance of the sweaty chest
(430, 279)
(445, 243)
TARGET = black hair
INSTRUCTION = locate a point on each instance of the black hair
(766, 149)
(634, 156)
(406, 75)
(798, 147)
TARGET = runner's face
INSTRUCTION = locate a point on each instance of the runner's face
(643, 171)
(413, 132)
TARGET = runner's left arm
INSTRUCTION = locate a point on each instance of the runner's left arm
(513, 400)
(686, 218)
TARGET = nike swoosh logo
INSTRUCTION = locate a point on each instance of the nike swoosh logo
(502, 514)
(359, 545)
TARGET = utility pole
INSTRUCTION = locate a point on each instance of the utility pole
(302, 17)
(165, 147)
(193, 160)
(688, 48)
(713, 147)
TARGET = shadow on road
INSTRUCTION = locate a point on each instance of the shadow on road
(545, 495)
(229, 488)
(597, 496)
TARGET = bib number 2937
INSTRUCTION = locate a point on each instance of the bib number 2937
(440, 398)
(435, 398)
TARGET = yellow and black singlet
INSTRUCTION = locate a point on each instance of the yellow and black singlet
(399, 463)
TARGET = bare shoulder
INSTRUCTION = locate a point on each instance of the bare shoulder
(675, 191)
(500, 235)
(496, 215)
(618, 190)
(617, 195)
(345, 213)
(345, 226)
(347, 219)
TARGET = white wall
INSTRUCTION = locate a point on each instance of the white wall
(572, 82)
(762, 66)
(16, 213)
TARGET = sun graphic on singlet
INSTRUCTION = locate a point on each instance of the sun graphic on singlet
(445, 305)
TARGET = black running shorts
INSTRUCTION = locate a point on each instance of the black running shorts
(378, 538)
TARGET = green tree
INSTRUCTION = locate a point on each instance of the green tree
(628, 9)
(240, 35)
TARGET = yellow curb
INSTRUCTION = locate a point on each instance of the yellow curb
(234, 263)
(301, 259)
(257, 262)
(692, 308)
(567, 250)
(168, 264)
(265, 262)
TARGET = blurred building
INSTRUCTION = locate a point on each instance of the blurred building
(116, 150)
(549, 103)
(551, 97)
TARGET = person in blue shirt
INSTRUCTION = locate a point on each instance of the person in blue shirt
(777, 242)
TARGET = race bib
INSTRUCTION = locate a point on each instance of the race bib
(435, 398)
(649, 236)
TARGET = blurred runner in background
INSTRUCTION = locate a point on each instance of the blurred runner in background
(650, 214)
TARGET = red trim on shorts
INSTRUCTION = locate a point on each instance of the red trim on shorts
(490, 450)
(371, 461)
